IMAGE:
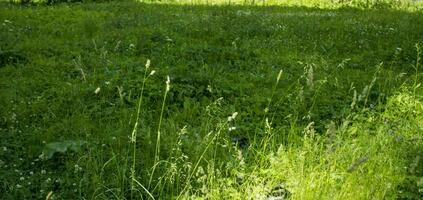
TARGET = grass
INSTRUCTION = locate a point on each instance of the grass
(245, 102)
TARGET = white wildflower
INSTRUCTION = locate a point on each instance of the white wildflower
(152, 72)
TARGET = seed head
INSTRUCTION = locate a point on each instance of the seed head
(168, 84)
(233, 116)
(279, 76)
(147, 64)
(97, 90)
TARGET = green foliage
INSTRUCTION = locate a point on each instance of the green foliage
(261, 102)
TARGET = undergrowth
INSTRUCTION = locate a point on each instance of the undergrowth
(162, 101)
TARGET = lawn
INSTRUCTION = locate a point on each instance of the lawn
(126, 100)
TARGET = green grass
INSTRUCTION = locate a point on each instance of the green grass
(328, 101)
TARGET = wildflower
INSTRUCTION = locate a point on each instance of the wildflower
(152, 72)
(232, 128)
(22, 178)
(78, 168)
(97, 90)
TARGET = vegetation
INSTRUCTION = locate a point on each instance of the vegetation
(127, 100)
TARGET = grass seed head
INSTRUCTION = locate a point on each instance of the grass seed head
(97, 90)
(279, 76)
(168, 84)
(147, 64)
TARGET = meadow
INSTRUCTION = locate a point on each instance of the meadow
(130, 100)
